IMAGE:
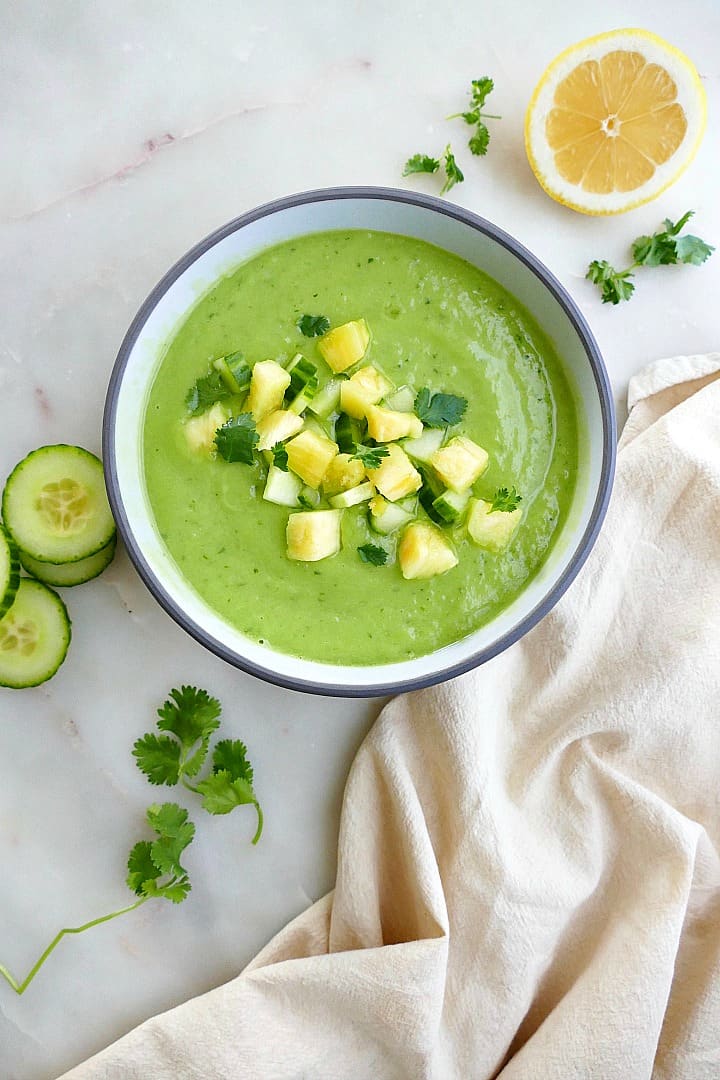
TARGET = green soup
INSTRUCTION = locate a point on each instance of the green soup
(436, 321)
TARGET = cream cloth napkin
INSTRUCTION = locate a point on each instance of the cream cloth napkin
(529, 862)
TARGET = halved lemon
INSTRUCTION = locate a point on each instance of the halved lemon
(614, 120)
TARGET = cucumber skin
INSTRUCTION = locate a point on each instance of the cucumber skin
(80, 450)
(13, 582)
(64, 650)
(37, 569)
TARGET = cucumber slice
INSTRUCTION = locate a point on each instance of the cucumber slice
(34, 636)
(431, 490)
(303, 378)
(451, 506)
(65, 575)
(9, 570)
(309, 498)
(352, 496)
(422, 449)
(282, 488)
(401, 400)
(327, 399)
(55, 505)
(386, 517)
(235, 373)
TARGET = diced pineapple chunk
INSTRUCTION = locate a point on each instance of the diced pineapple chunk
(492, 529)
(200, 430)
(309, 455)
(363, 389)
(276, 427)
(396, 477)
(385, 425)
(424, 552)
(343, 473)
(345, 345)
(267, 388)
(313, 535)
(460, 463)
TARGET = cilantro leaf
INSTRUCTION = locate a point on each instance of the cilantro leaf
(313, 325)
(421, 163)
(371, 456)
(192, 716)
(679, 225)
(656, 250)
(230, 784)
(480, 90)
(373, 554)
(453, 173)
(479, 141)
(141, 868)
(206, 392)
(691, 249)
(168, 819)
(236, 440)
(439, 410)
(230, 755)
(505, 500)
(221, 793)
(280, 457)
(614, 285)
(158, 756)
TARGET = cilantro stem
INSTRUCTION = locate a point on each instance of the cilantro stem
(259, 830)
(20, 987)
(190, 787)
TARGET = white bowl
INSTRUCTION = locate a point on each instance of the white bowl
(384, 209)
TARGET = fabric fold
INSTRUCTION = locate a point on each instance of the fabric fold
(528, 878)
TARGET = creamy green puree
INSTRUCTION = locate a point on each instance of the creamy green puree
(436, 321)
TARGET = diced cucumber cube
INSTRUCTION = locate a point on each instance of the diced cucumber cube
(309, 498)
(352, 496)
(423, 448)
(327, 399)
(282, 488)
(431, 490)
(234, 372)
(348, 433)
(313, 535)
(401, 400)
(451, 506)
(385, 517)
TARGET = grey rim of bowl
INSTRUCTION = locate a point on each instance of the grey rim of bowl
(574, 564)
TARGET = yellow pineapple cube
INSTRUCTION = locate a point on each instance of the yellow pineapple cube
(200, 431)
(344, 472)
(310, 455)
(313, 535)
(385, 425)
(492, 529)
(276, 427)
(396, 477)
(423, 552)
(345, 345)
(460, 463)
(366, 387)
(268, 384)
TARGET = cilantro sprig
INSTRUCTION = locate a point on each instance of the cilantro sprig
(423, 163)
(373, 554)
(236, 439)
(154, 873)
(480, 90)
(666, 247)
(439, 410)
(206, 391)
(506, 500)
(280, 457)
(370, 456)
(191, 716)
(313, 325)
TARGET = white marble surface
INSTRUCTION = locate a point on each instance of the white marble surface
(128, 131)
